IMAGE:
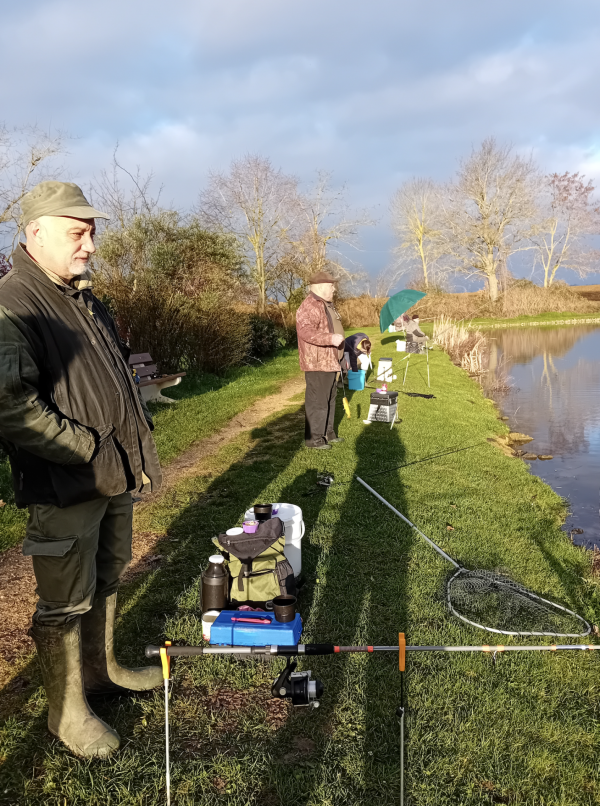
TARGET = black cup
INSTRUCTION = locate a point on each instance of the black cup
(262, 512)
(284, 607)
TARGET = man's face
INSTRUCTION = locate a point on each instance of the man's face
(61, 244)
(323, 290)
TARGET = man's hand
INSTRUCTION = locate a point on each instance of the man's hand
(337, 339)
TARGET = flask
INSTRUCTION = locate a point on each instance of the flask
(215, 584)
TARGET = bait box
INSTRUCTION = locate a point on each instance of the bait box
(226, 632)
(383, 407)
(384, 398)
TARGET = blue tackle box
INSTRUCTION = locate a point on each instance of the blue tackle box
(226, 632)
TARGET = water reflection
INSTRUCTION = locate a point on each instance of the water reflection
(554, 396)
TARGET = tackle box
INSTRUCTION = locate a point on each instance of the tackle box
(383, 407)
(226, 632)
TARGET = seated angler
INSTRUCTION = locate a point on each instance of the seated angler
(413, 333)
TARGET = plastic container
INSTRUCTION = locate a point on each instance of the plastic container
(384, 369)
(291, 515)
(208, 619)
(237, 530)
(356, 380)
(226, 632)
(250, 527)
(400, 346)
(215, 584)
(262, 512)
(284, 608)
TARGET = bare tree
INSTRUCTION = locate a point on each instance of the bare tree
(25, 158)
(124, 194)
(258, 204)
(570, 216)
(489, 211)
(416, 214)
(324, 223)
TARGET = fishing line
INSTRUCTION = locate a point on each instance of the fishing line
(429, 458)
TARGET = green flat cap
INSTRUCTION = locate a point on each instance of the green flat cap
(57, 199)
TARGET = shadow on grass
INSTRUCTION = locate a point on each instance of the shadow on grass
(360, 598)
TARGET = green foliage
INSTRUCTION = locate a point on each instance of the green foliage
(171, 286)
(265, 336)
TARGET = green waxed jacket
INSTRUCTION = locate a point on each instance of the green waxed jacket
(71, 416)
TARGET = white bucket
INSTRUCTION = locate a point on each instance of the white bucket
(384, 369)
(291, 516)
(400, 346)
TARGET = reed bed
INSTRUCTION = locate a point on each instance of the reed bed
(465, 347)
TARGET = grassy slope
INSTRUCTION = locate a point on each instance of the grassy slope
(523, 730)
(548, 318)
(207, 403)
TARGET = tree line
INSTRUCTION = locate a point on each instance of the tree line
(255, 236)
(500, 208)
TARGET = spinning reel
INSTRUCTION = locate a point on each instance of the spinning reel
(299, 687)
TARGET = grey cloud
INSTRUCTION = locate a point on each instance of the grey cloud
(375, 91)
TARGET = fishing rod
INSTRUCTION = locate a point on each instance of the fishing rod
(333, 649)
(303, 691)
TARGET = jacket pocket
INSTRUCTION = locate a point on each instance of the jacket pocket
(57, 567)
(104, 476)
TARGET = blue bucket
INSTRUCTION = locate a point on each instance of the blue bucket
(356, 380)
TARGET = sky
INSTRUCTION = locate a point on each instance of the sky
(375, 92)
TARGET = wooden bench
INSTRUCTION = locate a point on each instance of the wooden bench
(151, 383)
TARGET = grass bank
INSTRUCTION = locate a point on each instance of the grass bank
(205, 404)
(523, 729)
(539, 320)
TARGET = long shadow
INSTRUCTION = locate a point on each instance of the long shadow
(360, 599)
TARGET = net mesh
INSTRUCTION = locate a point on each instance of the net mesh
(496, 603)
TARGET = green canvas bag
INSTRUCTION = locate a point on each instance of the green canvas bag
(257, 564)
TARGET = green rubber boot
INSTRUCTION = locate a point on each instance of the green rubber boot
(70, 718)
(101, 671)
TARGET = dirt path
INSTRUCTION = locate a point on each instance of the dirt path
(17, 582)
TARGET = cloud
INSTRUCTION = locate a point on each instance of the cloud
(376, 92)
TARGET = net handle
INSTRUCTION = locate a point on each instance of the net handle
(433, 545)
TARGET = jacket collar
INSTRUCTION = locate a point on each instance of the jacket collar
(327, 302)
(23, 261)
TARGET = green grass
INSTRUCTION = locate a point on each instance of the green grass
(206, 403)
(522, 730)
(548, 318)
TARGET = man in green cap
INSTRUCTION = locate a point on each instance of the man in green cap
(79, 440)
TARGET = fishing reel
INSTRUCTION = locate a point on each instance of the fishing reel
(299, 687)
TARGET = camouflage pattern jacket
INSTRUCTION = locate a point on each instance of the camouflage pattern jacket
(316, 349)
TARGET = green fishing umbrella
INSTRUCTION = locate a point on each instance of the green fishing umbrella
(396, 306)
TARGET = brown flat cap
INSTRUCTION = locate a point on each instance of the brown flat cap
(56, 199)
(321, 277)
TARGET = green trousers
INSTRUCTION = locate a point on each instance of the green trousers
(77, 552)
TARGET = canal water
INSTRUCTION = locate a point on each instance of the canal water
(547, 382)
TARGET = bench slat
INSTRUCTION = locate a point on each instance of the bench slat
(150, 381)
(140, 358)
(143, 372)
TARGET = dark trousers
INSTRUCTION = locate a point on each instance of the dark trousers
(77, 552)
(319, 405)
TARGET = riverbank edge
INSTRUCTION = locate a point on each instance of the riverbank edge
(491, 324)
